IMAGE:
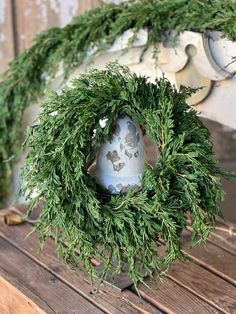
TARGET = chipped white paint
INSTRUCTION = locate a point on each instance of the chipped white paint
(174, 60)
(212, 58)
(43, 13)
(222, 51)
(6, 48)
(27, 12)
(115, 1)
(66, 9)
(2, 11)
(2, 37)
(2, 21)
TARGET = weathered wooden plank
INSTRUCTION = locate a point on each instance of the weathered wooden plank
(13, 301)
(15, 282)
(224, 236)
(186, 284)
(213, 258)
(36, 16)
(85, 5)
(121, 281)
(138, 303)
(200, 282)
(172, 298)
(108, 299)
(59, 297)
(6, 34)
(206, 285)
(224, 145)
(203, 283)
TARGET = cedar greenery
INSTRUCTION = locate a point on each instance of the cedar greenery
(97, 29)
(183, 183)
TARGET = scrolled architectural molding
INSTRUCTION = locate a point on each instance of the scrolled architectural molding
(192, 62)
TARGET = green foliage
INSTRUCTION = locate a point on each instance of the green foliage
(97, 29)
(184, 182)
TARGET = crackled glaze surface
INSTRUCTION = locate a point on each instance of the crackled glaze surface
(120, 163)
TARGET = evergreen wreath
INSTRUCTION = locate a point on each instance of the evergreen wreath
(183, 183)
(96, 30)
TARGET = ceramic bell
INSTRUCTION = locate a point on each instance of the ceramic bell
(120, 163)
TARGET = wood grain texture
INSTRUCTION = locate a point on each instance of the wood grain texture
(6, 35)
(35, 16)
(108, 300)
(206, 285)
(224, 236)
(203, 283)
(14, 281)
(172, 298)
(190, 288)
(56, 294)
(13, 301)
(85, 5)
(213, 258)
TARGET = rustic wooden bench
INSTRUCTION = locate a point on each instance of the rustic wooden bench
(38, 282)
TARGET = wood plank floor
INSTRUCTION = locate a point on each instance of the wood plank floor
(33, 282)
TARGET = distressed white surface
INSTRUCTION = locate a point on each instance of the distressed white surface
(6, 50)
(2, 21)
(174, 60)
(2, 37)
(114, 1)
(66, 9)
(2, 11)
(222, 51)
(120, 163)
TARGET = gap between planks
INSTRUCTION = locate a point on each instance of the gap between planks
(46, 286)
(26, 253)
(224, 306)
(14, 301)
(193, 291)
(193, 254)
(132, 300)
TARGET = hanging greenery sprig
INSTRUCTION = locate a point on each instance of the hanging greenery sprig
(26, 79)
(184, 181)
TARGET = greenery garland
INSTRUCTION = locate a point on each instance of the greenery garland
(26, 78)
(183, 183)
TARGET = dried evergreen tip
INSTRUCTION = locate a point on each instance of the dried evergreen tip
(183, 183)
